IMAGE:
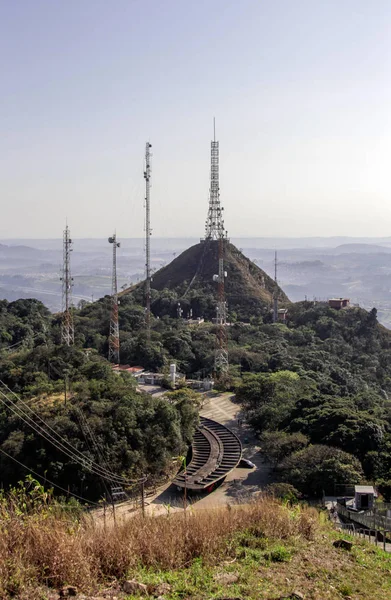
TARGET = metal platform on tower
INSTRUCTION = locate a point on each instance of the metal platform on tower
(216, 451)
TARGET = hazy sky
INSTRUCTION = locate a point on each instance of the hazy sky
(300, 90)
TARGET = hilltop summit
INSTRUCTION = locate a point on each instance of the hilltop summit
(188, 279)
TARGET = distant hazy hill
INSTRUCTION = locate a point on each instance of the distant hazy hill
(361, 248)
(18, 250)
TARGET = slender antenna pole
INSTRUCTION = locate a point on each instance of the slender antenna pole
(67, 327)
(114, 325)
(148, 233)
(275, 294)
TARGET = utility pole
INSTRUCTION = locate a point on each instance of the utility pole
(148, 233)
(142, 490)
(67, 327)
(114, 327)
(275, 294)
(215, 231)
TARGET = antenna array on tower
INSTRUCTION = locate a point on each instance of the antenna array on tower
(67, 327)
(214, 227)
(114, 326)
(214, 230)
(148, 233)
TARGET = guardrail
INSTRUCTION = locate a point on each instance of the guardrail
(377, 537)
(370, 519)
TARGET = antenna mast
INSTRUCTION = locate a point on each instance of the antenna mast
(214, 227)
(148, 233)
(275, 294)
(221, 352)
(67, 327)
(214, 230)
(114, 327)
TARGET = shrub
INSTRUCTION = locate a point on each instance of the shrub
(317, 468)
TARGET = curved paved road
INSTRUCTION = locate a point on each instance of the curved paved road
(241, 483)
(239, 486)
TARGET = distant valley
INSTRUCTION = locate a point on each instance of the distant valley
(359, 268)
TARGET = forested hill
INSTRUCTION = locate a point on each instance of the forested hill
(324, 376)
(188, 279)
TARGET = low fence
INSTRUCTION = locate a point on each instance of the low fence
(377, 537)
(369, 519)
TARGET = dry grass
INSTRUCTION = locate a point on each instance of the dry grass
(45, 546)
(269, 549)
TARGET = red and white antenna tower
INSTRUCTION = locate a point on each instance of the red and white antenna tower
(67, 327)
(214, 230)
(114, 327)
(221, 352)
(148, 233)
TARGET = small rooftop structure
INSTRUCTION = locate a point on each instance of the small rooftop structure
(364, 497)
(197, 321)
(339, 303)
(128, 369)
(150, 378)
(282, 314)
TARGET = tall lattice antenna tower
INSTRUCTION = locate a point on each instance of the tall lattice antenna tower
(67, 327)
(221, 352)
(214, 230)
(148, 233)
(214, 227)
(114, 327)
(275, 294)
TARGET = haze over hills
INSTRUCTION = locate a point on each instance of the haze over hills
(359, 268)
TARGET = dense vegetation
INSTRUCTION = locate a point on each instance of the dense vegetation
(320, 381)
(102, 415)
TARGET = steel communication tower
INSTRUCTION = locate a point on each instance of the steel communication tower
(275, 293)
(148, 233)
(114, 327)
(221, 352)
(67, 327)
(214, 227)
(214, 230)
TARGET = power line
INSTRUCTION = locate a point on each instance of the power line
(90, 465)
(84, 426)
(47, 480)
(25, 339)
(65, 447)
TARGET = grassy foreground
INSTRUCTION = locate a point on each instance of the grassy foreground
(263, 550)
